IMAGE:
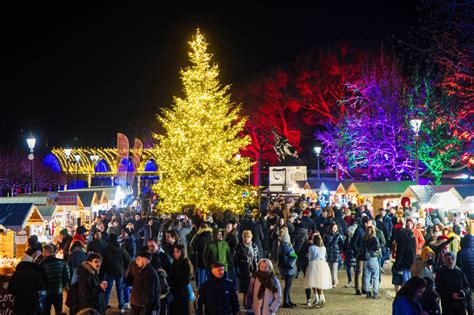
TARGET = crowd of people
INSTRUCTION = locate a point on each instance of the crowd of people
(153, 261)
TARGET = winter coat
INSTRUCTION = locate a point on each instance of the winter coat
(183, 228)
(179, 278)
(334, 244)
(257, 233)
(286, 253)
(146, 287)
(161, 260)
(245, 262)
(55, 274)
(406, 249)
(217, 251)
(356, 240)
(465, 259)
(116, 261)
(24, 285)
(419, 239)
(75, 259)
(198, 244)
(97, 246)
(233, 241)
(217, 296)
(90, 294)
(270, 302)
(449, 281)
(402, 306)
(372, 247)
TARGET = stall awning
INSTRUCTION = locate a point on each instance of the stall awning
(465, 190)
(15, 216)
(34, 199)
(467, 204)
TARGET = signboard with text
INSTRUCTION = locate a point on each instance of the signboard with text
(62, 199)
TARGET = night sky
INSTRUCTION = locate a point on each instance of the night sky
(92, 73)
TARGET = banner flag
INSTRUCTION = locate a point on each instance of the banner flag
(136, 157)
(123, 149)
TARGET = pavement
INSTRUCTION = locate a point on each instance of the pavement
(339, 300)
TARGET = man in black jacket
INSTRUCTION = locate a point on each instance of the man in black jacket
(217, 296)
(89, 289)
(146, 289)
(56, 276)
(453, 287)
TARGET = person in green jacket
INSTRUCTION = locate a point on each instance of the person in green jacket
(217, 251)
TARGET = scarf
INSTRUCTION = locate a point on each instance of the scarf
(266, 282)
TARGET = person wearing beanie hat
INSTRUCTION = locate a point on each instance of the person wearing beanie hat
(80, 234)
(453, 287)
(287, 265)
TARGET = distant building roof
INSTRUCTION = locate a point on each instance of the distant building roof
(108, 190)
(87, 197)
(380, 188)
(15, 215)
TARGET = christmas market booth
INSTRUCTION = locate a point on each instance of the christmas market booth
(377, 194)
(18, 221)
(340, 194)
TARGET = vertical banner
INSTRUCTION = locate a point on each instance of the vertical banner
(136, 157)
(123, 149)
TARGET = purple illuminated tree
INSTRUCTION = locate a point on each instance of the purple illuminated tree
(372, 136)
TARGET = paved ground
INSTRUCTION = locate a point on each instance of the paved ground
(339, 300)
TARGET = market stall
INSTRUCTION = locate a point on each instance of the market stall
(377, 194)
(18, 221)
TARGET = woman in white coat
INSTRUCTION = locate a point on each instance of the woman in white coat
(264, 292)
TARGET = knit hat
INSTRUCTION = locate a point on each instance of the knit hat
(81, 230)
(306, 212)
(410, 220)
(64, 232)
(294, 215)
(425, 251)
(450, 254)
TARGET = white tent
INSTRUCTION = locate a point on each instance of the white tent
(467, 204)
(445, 200)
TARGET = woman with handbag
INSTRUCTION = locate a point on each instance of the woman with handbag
(287, 266)
(180, 282)
(318, 275)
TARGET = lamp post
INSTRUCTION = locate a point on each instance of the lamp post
(317, 149)
(415, 126)
(31, 144)
(67, 152)
(77, 157)
(94, 158)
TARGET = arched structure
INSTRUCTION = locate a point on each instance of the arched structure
(106, 166)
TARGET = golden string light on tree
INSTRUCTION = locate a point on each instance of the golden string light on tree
(197, 154)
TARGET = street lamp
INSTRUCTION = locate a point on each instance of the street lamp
(77, 157)
(415, 126)
(94, 158)
(67, 152)
(317, 149)
(31, 144)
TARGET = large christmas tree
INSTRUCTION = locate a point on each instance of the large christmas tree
(198, 154)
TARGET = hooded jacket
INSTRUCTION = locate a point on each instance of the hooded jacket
(217, 251)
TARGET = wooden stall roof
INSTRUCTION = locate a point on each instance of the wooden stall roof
(421, 192)
(15, 216)
(108, 191)
(379, 188)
